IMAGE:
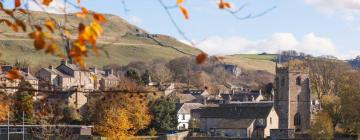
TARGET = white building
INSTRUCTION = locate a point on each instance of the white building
(184, 114)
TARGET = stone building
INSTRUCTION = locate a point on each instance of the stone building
(243, 120)
(292, 96)
(9, 86)
(184, 114)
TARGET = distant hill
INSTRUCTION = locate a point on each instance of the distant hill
(253, 61)
(355, 63)
(122, 43)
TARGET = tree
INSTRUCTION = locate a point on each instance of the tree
(133, 112)
(161, 73)
(164, 114)
(115, 125)
(323, 75)
(145, 77)
(322, 127)
(134, 75)
(349, 93)
(331, 105)
(4, 106)
(24, 102)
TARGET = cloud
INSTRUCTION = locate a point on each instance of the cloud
(310, 44)
(57, 7)
(135, 20)
(335, 4)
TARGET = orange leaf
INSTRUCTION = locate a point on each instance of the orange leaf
(201, 58)
(21, 24)
(46, 2)
(13, 74)
(14, 27)
(17, 3)
(50, 25)
(223, 5)
(78, 1)
(99, 18)
(179, 1)
(184, 12)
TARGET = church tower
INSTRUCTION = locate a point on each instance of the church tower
(292, 96)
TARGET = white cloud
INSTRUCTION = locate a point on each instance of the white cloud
(56, 6)
(135, 20)
(310, 44)
(335, 4)
(349, 10)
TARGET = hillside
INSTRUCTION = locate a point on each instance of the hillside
(252, 62)
(122, 42)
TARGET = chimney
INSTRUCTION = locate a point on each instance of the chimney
(108, 72)
(51, 67)
(26, 70)
(64, 62)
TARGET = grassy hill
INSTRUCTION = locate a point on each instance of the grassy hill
(252, 61)
(122, 43)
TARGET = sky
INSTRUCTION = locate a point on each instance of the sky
(317, 27)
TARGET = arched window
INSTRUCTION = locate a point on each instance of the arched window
(298, 80)
(297, 119)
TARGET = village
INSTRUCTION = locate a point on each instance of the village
(233, 111)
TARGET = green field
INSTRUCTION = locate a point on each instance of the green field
(252, 61)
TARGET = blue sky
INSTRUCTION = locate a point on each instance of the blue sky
(317, 27)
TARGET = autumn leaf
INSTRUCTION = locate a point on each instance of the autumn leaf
(184, 12)
(201, 58)
(50, 25)
(83, 13)
(21, 24)
(46, 2)
(17, 3)
(13, 74)
(179, 1)
(223, 4)
(99, 18)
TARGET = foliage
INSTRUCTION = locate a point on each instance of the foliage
(134, 75)
(116, 124)
(4, 106)
(331, 105)
(145, 77)
(323, 75)
(322, 128)
(164, 114)
(71, 116)
(24, 102)
(349, 93)
(152, 132)
(133, 112)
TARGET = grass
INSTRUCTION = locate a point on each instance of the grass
(252, 62)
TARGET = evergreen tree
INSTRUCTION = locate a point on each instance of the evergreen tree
(164, 114)
(24, 102)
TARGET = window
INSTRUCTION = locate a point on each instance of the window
(282, 81)
(298, 98)
(183, 116)
(270, 120)
(298, 80)
(297, 119)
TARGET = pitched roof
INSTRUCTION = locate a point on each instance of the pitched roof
(238, 111)
(186, 97)
(187, 107)
(56, 72)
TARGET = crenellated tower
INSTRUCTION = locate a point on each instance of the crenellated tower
(292, 95)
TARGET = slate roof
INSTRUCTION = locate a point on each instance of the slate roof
(238, 111)
(185, 108)
(242, 96)
(56, 72)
